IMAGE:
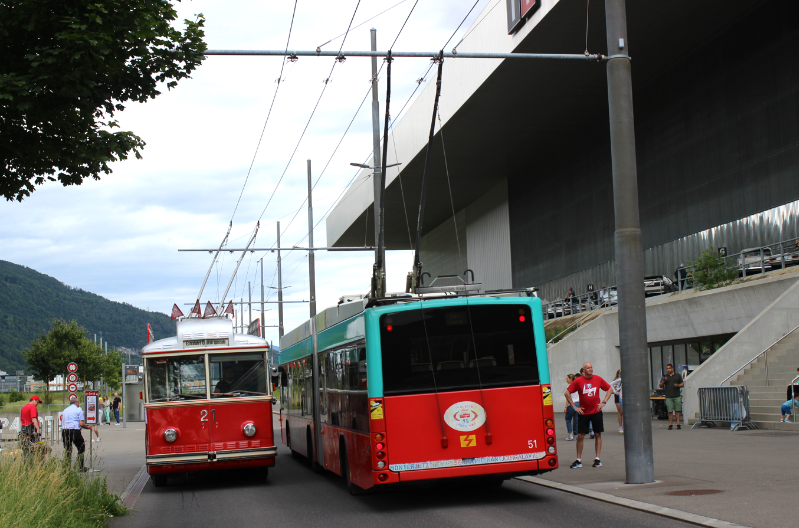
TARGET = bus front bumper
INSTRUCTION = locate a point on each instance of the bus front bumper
(172, 459)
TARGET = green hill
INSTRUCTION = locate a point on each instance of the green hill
(29, 301)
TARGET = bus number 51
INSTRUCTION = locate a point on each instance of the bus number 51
(532, 443)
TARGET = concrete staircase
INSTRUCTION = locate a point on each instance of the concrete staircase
(766, 396)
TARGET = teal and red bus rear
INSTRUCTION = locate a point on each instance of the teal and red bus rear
(208, 401)
(420, 391)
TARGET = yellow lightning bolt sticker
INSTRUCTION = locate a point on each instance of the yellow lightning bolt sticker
(468, 441)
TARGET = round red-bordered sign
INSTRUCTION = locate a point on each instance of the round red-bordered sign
(72, 387)
(72, 378)
(72, 367)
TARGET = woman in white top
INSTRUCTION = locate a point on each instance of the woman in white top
(617, 396)
(571, 413)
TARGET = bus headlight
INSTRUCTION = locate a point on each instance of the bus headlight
(249, 429)
(170, 435)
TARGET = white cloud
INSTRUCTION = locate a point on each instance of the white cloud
(119, 236)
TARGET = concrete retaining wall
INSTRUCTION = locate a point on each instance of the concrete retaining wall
(682, 316)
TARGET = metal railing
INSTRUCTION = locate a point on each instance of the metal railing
(758, 356)
(793, 397)
(725, 404)
(576, 324)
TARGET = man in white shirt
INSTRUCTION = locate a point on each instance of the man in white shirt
(73, 422)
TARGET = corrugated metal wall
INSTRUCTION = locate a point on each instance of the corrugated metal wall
(440, 252)
(769, 227)
(488, 238)
(717, 139)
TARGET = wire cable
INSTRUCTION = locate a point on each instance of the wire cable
(272, 104)
(362, 23)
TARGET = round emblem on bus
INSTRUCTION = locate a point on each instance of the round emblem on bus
(465, 416)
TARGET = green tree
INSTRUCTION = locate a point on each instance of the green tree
(50, 354)
(67, 68)
(710, 270)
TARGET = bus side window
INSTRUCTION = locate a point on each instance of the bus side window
(362, 368)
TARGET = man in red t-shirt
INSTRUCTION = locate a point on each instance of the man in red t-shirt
(590, 409)
(29, 416)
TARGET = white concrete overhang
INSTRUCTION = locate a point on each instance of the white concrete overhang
(499, 116)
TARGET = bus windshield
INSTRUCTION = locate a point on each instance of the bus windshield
(457, 348)
(176, 378)
(238, 375)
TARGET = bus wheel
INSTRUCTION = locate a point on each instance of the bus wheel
(159, 481)
(353, 488)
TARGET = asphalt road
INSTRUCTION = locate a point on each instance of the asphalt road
(294, 495)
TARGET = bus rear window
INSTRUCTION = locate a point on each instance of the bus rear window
(458, 348)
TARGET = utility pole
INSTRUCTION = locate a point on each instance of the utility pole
(376, 163)
(638, 456)
(279, 287)
(249, 306)
(263, 322)
(311, 266)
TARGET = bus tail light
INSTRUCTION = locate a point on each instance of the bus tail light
(551, 440)
(381, 455)
(551, 450)
(382, 477)
(379, 437)
(549, 423)
(381, 464)
(550, 432)
(552, 462)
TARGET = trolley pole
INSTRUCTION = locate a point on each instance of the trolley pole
(638, 456)
(279, 287)
(376, 163)
(249, 305)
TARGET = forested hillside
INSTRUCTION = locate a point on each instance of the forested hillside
(29, 301)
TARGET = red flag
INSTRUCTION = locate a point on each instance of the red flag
(229, 309)
(209, 310)
(176, 312)
(150, 336)
(196, 310)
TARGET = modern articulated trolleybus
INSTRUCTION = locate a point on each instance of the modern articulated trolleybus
(420, 390)
(208, 401)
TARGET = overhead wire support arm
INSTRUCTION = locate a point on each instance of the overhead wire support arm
(293, 248)
(415, 54)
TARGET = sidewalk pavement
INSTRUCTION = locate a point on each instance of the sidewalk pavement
(744, 477)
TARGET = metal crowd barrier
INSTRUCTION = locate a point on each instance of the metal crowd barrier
(725, 404)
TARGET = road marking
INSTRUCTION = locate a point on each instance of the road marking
(692, 518)
(135, 487)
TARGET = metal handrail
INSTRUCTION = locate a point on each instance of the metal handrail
(757, 356)
(793, 398)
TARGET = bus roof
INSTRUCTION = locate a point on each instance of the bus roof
(192, 334)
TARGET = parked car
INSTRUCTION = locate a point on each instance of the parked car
(658, 285)
(608, 297)
(750, 259)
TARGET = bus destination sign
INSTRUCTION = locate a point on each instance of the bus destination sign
(206, 342)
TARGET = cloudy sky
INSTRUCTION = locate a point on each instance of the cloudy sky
(119, 237)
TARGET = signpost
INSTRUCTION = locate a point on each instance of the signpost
(91, 419)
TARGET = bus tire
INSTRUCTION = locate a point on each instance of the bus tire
(159, 481)
(353, 488)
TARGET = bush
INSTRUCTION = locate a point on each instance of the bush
(710, 270)
(2, 399)
(47, 493)
(15, 396)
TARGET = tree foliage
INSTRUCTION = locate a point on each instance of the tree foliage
(710, 270)
(49, 356)
(67, 67)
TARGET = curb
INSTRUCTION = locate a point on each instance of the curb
(692, 518)
(135, 487)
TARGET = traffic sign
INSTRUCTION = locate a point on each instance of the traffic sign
(72, 378)
(72, 367)
(72, 387)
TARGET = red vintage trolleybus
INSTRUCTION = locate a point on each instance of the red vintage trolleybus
(208, 401)
(420, 390)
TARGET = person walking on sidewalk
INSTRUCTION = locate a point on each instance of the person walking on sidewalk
(671, 384)
(115, 407)
(590, 410)
(571, 413)
(100, 409)
(29, 420)
(74, 421)
(616, 384)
